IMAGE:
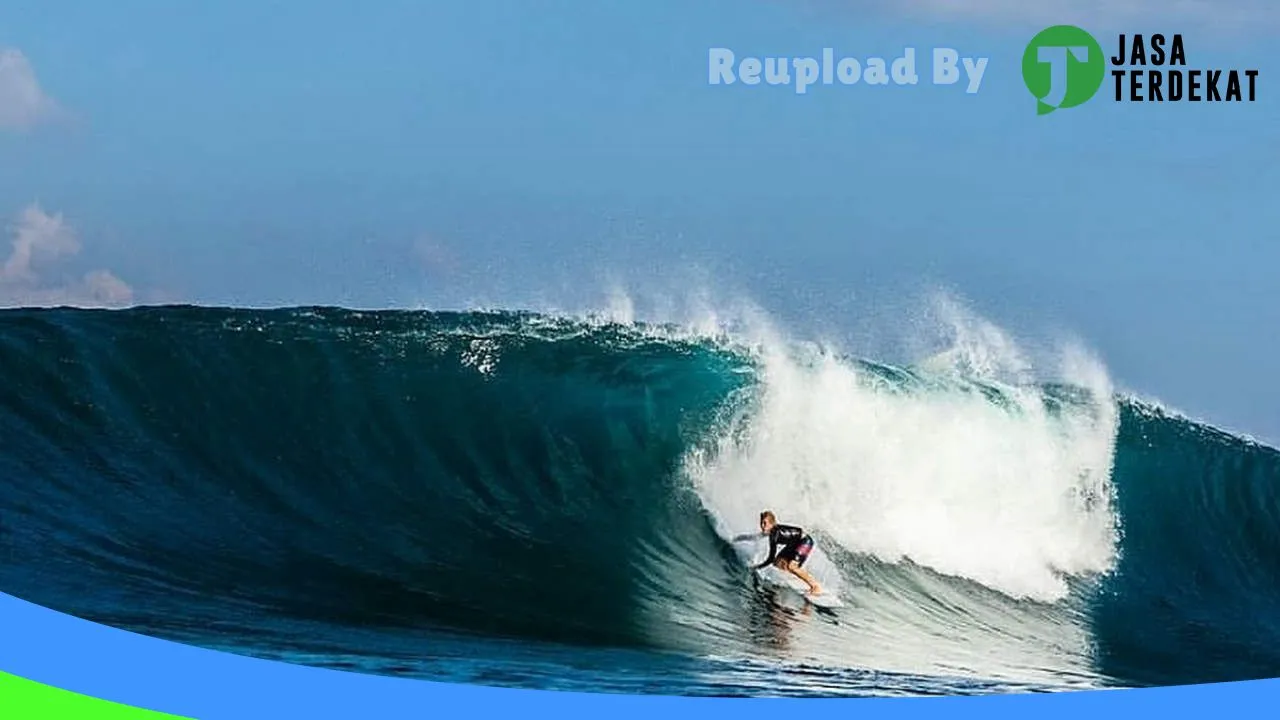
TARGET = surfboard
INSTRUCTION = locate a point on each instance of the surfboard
(822, 600)
(825, 599)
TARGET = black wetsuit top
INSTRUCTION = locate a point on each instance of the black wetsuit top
(789, 537)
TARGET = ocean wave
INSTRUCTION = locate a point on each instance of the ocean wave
(320, 483)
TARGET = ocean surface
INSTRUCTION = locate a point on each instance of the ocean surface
(536, 501)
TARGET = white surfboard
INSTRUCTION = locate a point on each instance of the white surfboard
(825, 599)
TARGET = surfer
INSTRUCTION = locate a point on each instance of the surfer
(795, 548)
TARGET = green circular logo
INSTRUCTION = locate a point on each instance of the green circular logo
(1063, 67)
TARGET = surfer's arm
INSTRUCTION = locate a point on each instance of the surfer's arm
(748, 536)
(773, 551)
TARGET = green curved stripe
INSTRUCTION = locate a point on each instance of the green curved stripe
(22, 699)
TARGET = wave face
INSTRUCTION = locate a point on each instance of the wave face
(525, 500)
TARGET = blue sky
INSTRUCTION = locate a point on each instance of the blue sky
(405, 153)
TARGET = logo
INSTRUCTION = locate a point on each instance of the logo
(1063, 67)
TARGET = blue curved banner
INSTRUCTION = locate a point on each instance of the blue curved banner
(103, 662)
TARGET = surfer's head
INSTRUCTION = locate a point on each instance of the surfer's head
(767, 521)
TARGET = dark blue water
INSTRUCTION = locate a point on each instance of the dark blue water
(504, 499)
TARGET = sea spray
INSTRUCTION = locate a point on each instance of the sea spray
(1008, 494)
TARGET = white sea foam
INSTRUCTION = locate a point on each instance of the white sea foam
(1008, 494)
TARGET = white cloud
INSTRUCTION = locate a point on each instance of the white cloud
(22, 103)
(28, 277)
